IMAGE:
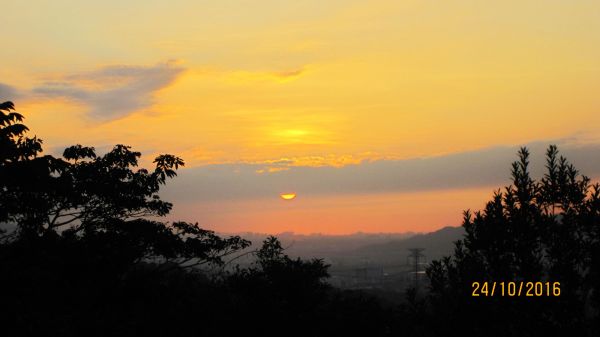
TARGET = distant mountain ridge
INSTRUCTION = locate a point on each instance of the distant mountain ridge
(361, 248)
(311, 245)
(436, 244)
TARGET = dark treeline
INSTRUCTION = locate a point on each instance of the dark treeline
(83, 254)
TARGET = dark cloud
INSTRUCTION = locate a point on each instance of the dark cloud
(487, 167)
(115, 91)
(8, 93)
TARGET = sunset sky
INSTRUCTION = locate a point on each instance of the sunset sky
(383, 116)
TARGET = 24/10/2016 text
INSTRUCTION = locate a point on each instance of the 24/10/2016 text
(516, 289)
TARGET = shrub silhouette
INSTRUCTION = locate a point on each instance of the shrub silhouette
(546, 230)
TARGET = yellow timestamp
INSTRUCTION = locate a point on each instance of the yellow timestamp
(515, 289)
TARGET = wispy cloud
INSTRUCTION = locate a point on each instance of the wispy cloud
(114, 91)
(243, 76)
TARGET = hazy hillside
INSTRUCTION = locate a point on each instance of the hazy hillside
(371, 261)
(436, 244)
(360, 249)
(326, 246)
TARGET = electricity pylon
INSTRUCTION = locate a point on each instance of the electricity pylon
(417, 258)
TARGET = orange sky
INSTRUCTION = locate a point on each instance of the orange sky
(345, 214)
(278, 86)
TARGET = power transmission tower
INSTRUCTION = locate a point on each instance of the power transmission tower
(417, 258)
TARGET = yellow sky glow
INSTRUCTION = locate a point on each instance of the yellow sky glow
(311, 83)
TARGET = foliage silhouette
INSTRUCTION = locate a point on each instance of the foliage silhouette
(83, 196)
(546, 230)
(83, 227)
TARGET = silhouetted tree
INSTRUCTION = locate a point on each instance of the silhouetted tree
(285, 276)
(293, 296)
(85, 196)
(83, 234)
(546, 230)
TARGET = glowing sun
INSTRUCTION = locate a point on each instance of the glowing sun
(287, 196)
